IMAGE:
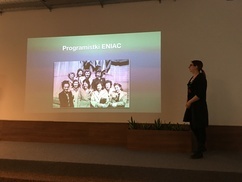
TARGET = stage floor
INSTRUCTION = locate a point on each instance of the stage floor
(222, 161)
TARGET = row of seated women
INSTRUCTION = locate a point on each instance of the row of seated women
(100, 94)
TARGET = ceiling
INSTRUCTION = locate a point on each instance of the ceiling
(22, 5)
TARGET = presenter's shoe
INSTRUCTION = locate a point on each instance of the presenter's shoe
(197, 155)
(202, 149)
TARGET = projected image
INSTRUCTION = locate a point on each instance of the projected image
(91, 84)
(107, 73)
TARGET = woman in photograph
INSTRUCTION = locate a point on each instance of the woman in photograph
(75, 90)
(71, 77)
(108, 87)
(119, 97)
(85, 94)
(65, 96)
(99, 78)
(87, 76)
(80, 75)
(99, 98)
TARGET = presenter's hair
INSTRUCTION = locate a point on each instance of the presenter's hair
(199, 65)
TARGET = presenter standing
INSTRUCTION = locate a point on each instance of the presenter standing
(196, 106)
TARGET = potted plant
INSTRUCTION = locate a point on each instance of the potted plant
(159, 136)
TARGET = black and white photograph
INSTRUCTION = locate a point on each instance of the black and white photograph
(92, 84)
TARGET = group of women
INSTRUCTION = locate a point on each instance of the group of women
(82, 91)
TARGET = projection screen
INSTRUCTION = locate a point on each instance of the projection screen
(94, 73)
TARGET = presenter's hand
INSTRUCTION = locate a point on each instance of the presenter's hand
(188, 105)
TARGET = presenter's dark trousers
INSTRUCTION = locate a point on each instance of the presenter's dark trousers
(200, 135)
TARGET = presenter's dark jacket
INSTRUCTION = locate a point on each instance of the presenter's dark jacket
(66, 99)
(197, 114)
